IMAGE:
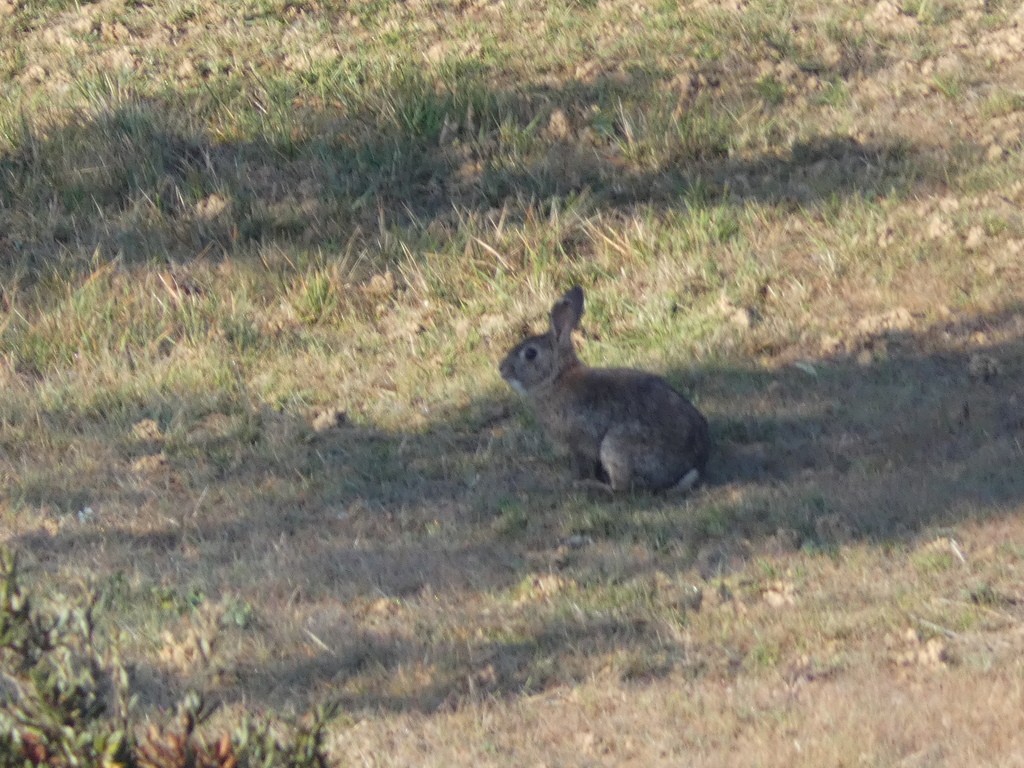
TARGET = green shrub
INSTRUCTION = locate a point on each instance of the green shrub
(66, 701)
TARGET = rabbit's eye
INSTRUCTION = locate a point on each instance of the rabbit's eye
(530, 353)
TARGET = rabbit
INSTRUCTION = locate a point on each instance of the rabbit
(625, 429)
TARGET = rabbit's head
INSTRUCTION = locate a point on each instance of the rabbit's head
(539, 360)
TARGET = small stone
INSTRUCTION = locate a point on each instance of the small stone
(381, 285)
(435, 53)
(994, 152)
(85, 514)
(211, 207)
(151, 464)
(33, 74)
(889, 16)
(329, 418)
(975, 238)
(780, 594)
(938, 227)
(830, 345)
(578, 541)
(186, 69)
(586, 71)
(559, 128)
(146, 429)
(743, 318)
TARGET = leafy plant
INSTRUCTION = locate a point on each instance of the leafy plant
(67, 701)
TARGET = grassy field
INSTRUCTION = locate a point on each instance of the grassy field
(259, 260)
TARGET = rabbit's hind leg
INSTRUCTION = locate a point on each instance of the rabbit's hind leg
(617, 461)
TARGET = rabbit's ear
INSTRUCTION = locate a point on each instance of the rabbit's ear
(566, 314)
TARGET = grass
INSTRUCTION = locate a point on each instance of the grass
(258, 262)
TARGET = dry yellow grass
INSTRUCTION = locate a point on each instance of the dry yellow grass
(259, 260)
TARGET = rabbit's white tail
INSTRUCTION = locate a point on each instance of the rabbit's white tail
(687, 482)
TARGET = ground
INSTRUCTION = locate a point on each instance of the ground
(259, 261)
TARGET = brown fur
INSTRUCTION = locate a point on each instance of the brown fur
(624, 428)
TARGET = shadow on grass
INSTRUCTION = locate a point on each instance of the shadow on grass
(531, 664)
(133, 177)
(900, 431)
